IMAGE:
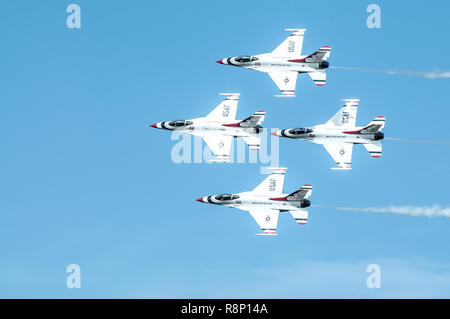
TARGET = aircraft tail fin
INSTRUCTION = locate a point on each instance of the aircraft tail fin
(320, 55)
(303, 192)
(373, 127)
(377, 123)
(252, 121)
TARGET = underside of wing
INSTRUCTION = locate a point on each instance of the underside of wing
(341, 154)
(272, 185)
(346, 116)
(292, 46)
(226, 110)
(286, 82)
(220, 145)
(267, 219)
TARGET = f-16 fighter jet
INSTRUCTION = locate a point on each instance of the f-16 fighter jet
(267, 200)
(219, 127)
(285, 62)
(340, 133)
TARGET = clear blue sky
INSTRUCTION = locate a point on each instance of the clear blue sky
(85, 181)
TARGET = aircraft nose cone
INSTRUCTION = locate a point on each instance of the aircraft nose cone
(274, 133)
(200, 199)
(155, 125)
(220, 61)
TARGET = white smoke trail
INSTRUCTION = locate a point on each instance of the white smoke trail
(434, 74)
(430, 211)
(440, 142)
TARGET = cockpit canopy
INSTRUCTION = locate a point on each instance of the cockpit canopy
(298, 131)
(227, 197)
(245, 58)
(179, 123)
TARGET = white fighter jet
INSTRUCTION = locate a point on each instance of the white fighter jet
(285, 62)
(267, 200)
(340, 133)
(220, 126)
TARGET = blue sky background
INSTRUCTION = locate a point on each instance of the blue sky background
(86, 181)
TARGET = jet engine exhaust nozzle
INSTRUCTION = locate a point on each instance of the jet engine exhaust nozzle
(378, 136)
(306, 203)
(324, 65)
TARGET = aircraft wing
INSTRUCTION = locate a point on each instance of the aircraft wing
(226, 110)
(346, 116)
(220, 145)
(272, 185)
(286, 82)
(267, 219)
(341, 153)
(291, 47)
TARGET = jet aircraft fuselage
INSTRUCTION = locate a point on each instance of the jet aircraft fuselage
(249, 201)
(202, 126)
(267, 62)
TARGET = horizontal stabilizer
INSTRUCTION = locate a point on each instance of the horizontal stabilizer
(319, 77)
(300, 216)
(374, 148)
(253, 141)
